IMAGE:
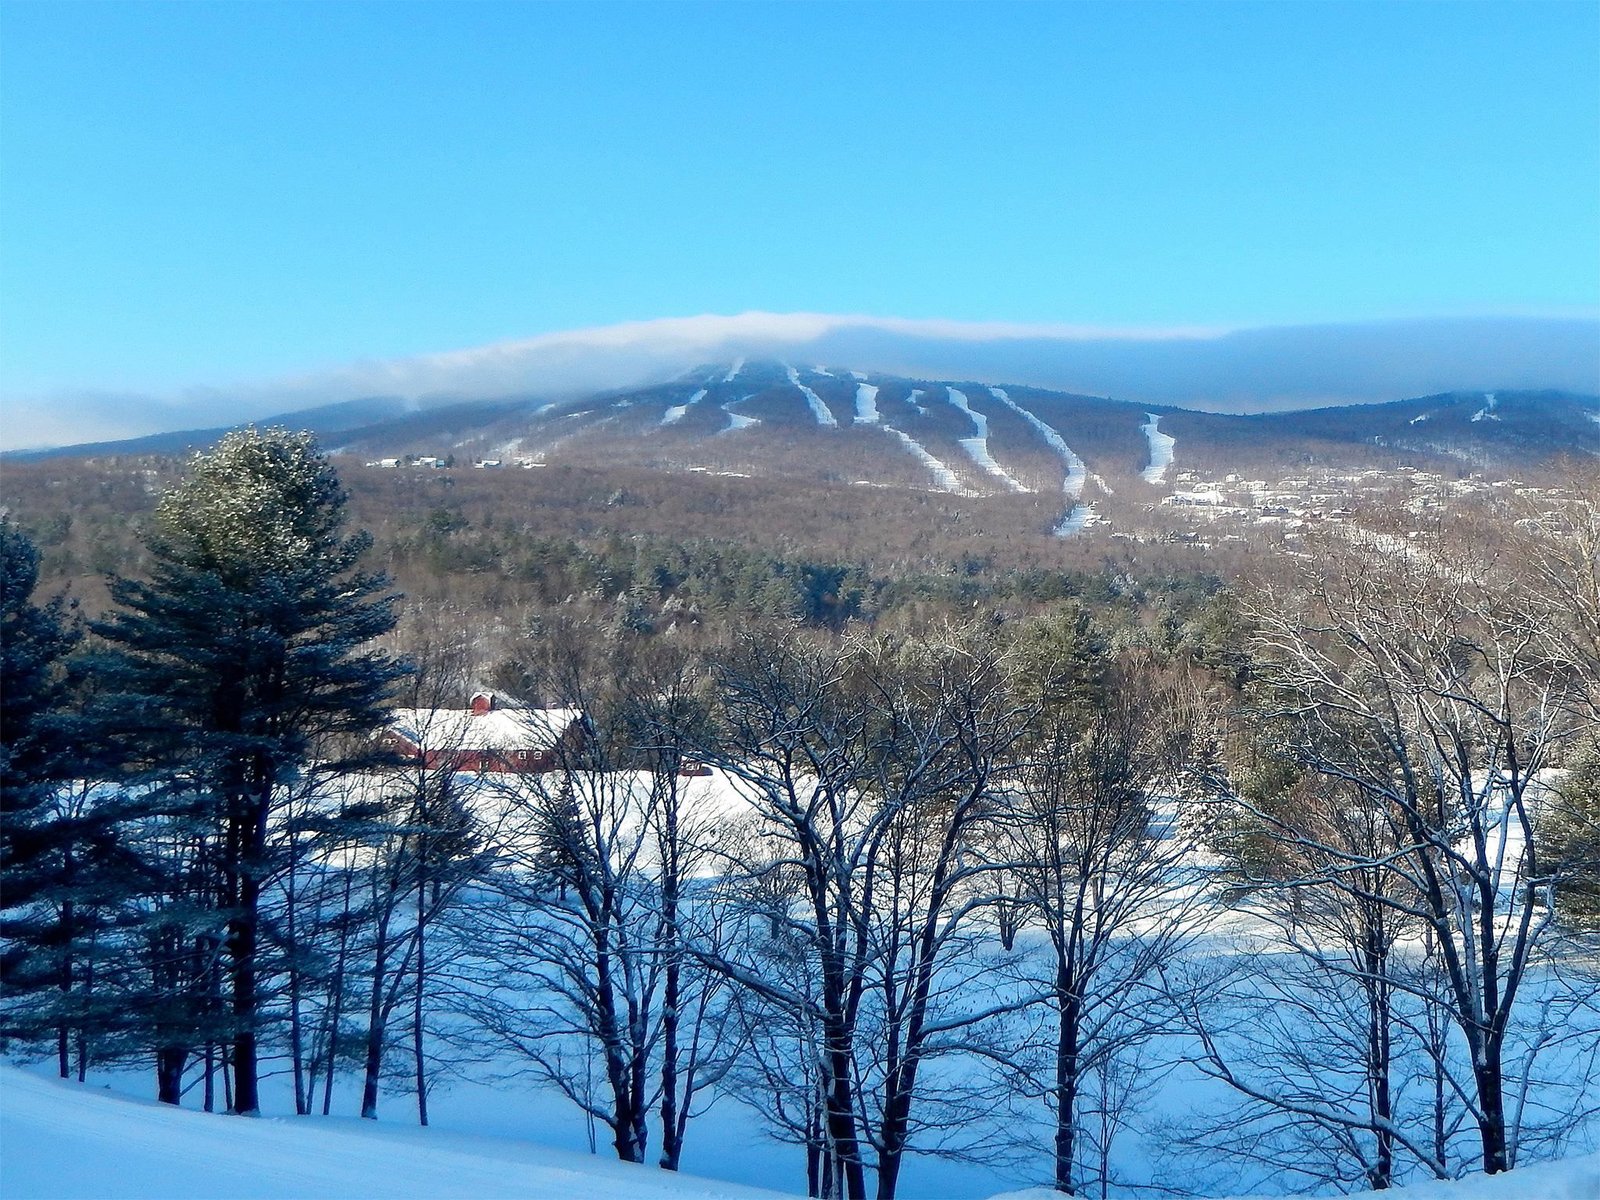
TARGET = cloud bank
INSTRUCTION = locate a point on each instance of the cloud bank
(1232, 370)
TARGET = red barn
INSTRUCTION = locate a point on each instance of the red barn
(488, 735)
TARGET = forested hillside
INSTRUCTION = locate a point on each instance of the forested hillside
(923, 847)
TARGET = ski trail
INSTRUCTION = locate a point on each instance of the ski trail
(858, 376)
(736, 420)
(675, 413)
(912, 400)
(738, 365)
(1486, 413)
(1079, 516)
(943, 475)
(818, 408)
(1161, 445)
(977, 448)
(1077, 473)
(866, 404)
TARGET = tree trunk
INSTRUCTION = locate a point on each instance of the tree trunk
(842, 1116)
(169, 1074)
(246, 1097)
(1067, 1083)
(336, 1001)
(1492, 1117)
(302, 1093)
(416, 1022)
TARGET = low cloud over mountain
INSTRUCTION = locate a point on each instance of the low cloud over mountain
(1239, 370)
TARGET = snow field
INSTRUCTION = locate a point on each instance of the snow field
(1486, 413)
(67, 1140)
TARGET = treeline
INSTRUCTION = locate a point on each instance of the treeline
(501, 546)
(973, 888)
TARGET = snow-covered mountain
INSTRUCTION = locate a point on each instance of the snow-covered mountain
(1265, 369)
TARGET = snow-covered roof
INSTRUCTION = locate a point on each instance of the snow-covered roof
(499, 729)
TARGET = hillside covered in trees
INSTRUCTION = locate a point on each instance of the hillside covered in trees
(925, 848)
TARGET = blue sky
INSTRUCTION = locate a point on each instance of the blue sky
(196, 192)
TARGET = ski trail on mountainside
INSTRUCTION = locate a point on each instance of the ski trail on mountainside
(977, 448)
(736, 420)
(866, 404)
(1161, 445)
(675, 413)
(733, 371)
(943, 475)
(1077, 473)
(818, 408)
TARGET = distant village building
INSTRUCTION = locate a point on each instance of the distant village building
(488, 735)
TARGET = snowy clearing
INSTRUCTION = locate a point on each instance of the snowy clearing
(66, 1140)
(733, 371)
(866, 404)
(1161, 445)
(942, 475)
(1486, 413)
(818, 409)
(922, 412)
(977, 448)
(1077, 473)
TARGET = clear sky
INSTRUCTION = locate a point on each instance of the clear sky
(198, 192)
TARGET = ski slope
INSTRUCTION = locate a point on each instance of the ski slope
(942, 475)
(866, 404)
(977, 447)
(1077, 473)
(1161, 445)
(675, 413)
(823, 414)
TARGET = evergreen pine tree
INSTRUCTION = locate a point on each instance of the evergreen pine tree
(35, 760)
(248, 647)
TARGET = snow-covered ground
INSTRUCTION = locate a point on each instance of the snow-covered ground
(1572, 1179)
(67, 1140)
(819, 410)
(1161, 452)
(1486, 413)
(733, 371)
(977, 447)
